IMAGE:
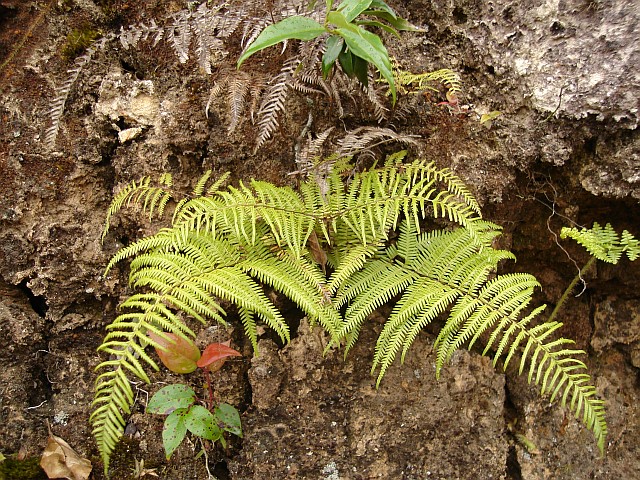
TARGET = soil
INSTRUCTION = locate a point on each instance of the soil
(565, 149)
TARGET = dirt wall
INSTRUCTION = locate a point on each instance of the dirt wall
(564, 149)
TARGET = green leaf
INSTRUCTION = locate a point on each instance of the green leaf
(374, 23)
(174, 431)
(379, 5)
(298, 28)
(352, 8)
(171, 398)
(486, 118)
(361, 70)
(369, 47)
(202, 423)
(229, 419)
(333, 47)
(346, 62)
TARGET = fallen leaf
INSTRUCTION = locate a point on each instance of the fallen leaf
(317, 253)
(59, 460)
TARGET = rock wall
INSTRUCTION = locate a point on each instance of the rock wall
(566, 148)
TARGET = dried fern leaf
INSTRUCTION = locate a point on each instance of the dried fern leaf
(273, 101)
(376, 99)
(364, 139)
(62, 91)
(239, 86)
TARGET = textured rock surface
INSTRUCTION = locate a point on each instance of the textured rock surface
(549, 159)
(349, 429)
(573, 59)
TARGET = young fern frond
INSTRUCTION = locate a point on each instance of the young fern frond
(328, 248)
(408, 82)
(604, 243)
(151, 199)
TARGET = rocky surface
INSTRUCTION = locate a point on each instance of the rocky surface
(323, 418)
(566, 148)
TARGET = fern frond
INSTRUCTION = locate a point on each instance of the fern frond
(376, 98)
(63, 91)
(408, 82)
(449, 272)
(604, 243)
(142, 195)
(178, 33)
(375, 200)
(364, 139)
(114, 395)
(238, 90)
(311, 150)
(226, 244)
(273, 100)
(205, 36)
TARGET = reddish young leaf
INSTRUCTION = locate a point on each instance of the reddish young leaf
(215, 355)
(177, 354)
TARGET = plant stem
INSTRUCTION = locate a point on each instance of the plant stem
(572, 285)
(207, 379)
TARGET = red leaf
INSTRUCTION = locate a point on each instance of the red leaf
(215, 355)
(177, 354)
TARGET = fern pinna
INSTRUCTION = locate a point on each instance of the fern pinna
(328, 247)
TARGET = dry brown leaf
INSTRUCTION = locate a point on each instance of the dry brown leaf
(59, 460)
(317, 253)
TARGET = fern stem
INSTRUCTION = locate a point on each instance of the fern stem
(571, 287)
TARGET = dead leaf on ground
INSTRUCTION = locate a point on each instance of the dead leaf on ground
(59, 460)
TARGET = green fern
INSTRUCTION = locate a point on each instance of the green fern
(408, 82)
(604, 243)
(328, 248)
(439, 272)
(142, 195)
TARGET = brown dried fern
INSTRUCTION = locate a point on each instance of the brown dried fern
(361, 140)
(273, 100)
(62, 91)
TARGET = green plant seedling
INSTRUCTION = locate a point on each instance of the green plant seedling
(180, 403)
(348, 42)
(603, 244)
(178, 354)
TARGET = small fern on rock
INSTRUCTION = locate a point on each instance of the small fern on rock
(605, 243)
(331, 248)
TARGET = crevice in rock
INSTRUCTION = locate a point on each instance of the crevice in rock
(511, 418)
(221, 471)
(42, 387)
(7, 11)
(459, 16)
(247, 400)
(513, 467)
(38, 302)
